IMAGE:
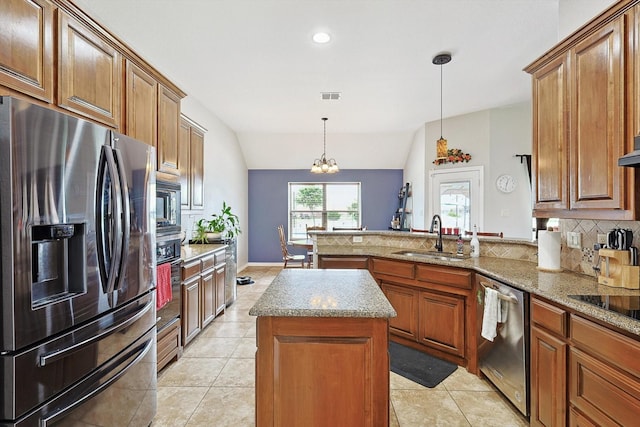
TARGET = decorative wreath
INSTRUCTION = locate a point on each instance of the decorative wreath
(454, 155)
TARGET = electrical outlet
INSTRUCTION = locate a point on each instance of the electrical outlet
(602, 239)
(574, 239)
(357, 239)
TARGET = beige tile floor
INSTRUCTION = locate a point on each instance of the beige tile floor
(213, 383)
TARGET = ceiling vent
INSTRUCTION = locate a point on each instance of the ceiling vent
(331, 96)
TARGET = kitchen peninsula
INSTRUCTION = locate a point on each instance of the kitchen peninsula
(322, 356)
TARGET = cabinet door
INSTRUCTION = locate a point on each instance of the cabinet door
(208, 297)
(597, 130)
(441, 322)
(196, 166)
(220, 294)
(168, 130)
(89, 73)
(190, 309)
(184, 167)
(548, 379)
(404, 302)
(550, 136)
(26, 56)
(142, 105)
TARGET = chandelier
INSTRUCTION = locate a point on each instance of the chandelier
(322, 165)
(441, 144)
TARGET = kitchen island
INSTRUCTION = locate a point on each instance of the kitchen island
(322, 358)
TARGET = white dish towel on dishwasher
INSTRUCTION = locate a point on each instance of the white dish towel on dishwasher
(491, 315)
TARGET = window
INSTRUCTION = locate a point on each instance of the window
(322, 204)
(456, 195)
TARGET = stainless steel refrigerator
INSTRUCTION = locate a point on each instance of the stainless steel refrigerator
(77, 262)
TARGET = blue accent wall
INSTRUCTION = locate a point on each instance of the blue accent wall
(268, 198)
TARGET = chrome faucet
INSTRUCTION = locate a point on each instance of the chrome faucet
(437, 218)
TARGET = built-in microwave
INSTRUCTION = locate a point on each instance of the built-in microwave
(167, 207)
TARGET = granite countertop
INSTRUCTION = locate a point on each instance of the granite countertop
(189, 252)
(323, 293)
(524, 275)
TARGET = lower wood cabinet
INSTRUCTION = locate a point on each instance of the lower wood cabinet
(582, 373)
(431, 306)
(203, 292)
(331, 371)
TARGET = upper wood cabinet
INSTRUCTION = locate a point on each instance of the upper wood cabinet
(580, 116)
(26, 47)
(191, 164)
(141, 105)
(89, 72)
(168, 130)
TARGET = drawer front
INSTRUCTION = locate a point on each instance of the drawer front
(614, 348)
(549, 317)
(220, 257)
(446, 276)
(393, 268)
(343, 262)
(191, 269)
(602, 393)
(208, 261)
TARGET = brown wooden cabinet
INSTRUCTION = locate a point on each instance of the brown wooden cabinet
(141, 105)
(203, 292)
(191, 164)
(582, 373)
(580, 115)
(441, 322)
(405, 302)
(431, 306)
(26, 56)
(324, 371)
(89, 72)
(168, 130)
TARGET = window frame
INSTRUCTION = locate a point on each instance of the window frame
(324, 211)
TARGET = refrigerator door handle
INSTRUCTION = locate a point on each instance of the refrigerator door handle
(109, 220)
(51, 418)
(124, 214)
(64, 352)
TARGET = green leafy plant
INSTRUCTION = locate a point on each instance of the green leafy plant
(226, 223)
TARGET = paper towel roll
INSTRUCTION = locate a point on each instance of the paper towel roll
(549, 250)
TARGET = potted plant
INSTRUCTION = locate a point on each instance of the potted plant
(222, 225)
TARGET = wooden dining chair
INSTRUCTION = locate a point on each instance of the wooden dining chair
(485, 234)
(286, 256)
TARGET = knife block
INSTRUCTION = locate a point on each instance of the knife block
(615, 270)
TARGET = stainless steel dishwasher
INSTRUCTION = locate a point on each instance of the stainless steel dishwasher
(505, 360)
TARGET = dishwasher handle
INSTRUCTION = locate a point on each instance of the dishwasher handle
(509, 298)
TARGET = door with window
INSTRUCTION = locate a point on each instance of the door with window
(456, 195)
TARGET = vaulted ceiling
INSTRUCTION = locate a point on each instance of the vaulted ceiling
(253, 64)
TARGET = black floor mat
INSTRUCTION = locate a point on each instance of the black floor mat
(419, 367)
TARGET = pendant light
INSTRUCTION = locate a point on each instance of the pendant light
(441, 144)
(322, 165)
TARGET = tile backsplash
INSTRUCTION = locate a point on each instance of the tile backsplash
(581, 260)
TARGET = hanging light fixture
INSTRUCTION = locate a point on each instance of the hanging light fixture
(441, 144)
(322, 165)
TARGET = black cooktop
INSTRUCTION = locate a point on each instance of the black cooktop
(625, 305)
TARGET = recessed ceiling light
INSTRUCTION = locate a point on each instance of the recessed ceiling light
(321, 37)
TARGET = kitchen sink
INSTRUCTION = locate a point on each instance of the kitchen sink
(443, 256)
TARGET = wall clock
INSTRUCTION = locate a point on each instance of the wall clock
(506, 183)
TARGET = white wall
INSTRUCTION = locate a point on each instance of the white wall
(492, 137)
(225, 173)
(414, 173)
(573, 14)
